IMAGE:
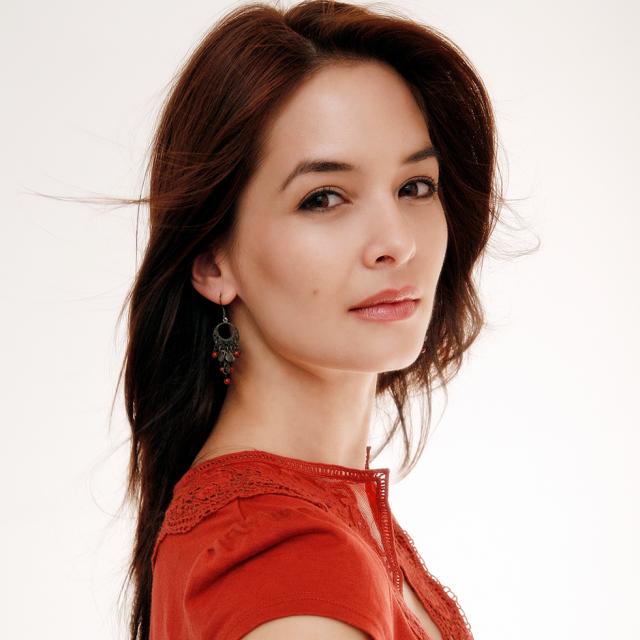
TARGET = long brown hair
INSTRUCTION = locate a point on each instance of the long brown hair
(206, 146)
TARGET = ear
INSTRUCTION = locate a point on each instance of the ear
(212, 278)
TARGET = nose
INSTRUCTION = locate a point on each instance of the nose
(392, 238)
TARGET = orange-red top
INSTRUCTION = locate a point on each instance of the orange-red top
(251, 536)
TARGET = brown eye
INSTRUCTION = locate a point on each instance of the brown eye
(433, 188)
(318, 200)
(315, 200)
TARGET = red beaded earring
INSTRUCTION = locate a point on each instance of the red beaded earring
(225, 347)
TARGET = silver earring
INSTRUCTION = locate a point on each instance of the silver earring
(225, 346)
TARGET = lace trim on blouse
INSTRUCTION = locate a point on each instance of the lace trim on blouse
(214, 483)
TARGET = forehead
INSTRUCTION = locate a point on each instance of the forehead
(361, 109)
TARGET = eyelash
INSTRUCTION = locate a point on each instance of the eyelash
(326, 190)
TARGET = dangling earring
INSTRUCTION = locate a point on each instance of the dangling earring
(226, 348)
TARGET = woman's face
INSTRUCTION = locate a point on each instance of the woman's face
(300, 260)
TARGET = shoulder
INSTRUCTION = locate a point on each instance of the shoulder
(288, 538)
(212, 491)
(279, 566)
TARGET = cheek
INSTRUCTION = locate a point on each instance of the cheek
(290, 273)
(292, 264)
(435, 242)
(293, 285)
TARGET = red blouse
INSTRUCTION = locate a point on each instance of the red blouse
(252, 536)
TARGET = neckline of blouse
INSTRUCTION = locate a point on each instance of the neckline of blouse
(308, 466)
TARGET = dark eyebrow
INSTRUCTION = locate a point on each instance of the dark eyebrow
(312, 166)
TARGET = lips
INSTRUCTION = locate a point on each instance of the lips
(387, 311)
(388, 295)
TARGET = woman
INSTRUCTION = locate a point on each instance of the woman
(311, 166)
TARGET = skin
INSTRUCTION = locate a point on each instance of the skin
(304, 386)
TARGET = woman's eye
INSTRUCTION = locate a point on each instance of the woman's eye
(317, 201)
(319, 196)
(433, 187)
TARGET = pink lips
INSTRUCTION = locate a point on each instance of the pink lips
(387, 310)
(388, 295)
(389, 304)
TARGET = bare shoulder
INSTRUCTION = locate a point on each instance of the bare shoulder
(306, 628)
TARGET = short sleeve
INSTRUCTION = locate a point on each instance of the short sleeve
(282, 556)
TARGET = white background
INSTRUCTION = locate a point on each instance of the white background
(526, 501)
